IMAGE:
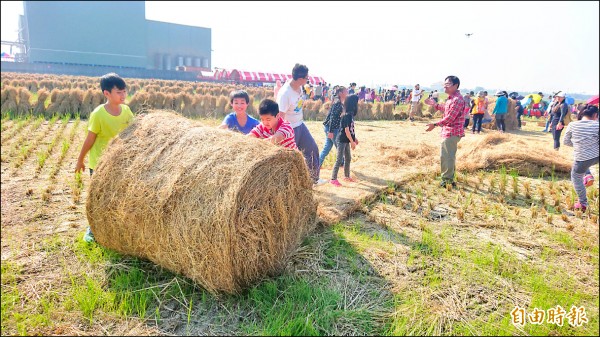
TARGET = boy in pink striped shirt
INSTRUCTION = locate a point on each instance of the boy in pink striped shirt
(272, 127)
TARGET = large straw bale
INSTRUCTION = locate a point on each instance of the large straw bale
(495, 150)
(220, 208)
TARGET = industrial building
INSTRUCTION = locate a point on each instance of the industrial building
(108, 34)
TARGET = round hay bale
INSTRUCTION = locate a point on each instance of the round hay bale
(223, 209)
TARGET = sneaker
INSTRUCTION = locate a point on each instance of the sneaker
(580, 206)
(349, 179)
(588, 180)
(335, 182)
(89, 236)
(320, 182)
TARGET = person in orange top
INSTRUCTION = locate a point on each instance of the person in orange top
(479, 109)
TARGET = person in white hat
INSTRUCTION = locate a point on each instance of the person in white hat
(559, 111)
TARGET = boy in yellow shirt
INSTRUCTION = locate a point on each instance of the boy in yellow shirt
(106, 121)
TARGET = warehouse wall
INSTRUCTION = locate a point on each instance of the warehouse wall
(170, 45)
(87, 32)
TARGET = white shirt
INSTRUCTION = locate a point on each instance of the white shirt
(416, 95)
(290, 103)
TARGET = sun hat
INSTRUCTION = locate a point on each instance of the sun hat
(561, 94)
(499, 93)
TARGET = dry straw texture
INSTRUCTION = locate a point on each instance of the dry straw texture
(491, 152)
(221, 208)
(495, 150)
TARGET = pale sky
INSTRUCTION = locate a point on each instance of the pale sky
(515, 46)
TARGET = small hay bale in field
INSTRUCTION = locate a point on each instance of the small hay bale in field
(57, 96)
(387, 111)
(10, 100)
(24, 105)
(64, 109)
(251, 110)
(169, 102)
(222, 105)
(32, 86)
(178, 102)
(159, 100)
(308, 110)
(40, 106)
(98, 99)
(188, 108)
(86, 104)
(417, 109)
(220, 208)
(325, 109)
(365, 111)
(496, 149)
(4, 95)
(139, 102)
(76, 101)
(197, 106)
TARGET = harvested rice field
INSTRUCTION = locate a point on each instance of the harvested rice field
(391, 254)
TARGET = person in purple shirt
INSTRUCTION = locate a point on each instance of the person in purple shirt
(361, 93)
(239, 120)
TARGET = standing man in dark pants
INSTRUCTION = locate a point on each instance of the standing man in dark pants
(452, 124)
(289, 99)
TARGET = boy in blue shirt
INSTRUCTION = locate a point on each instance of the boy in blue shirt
(239, 120)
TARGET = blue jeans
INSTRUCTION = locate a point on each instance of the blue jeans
(329, 143)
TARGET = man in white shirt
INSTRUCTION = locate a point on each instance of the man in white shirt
(416, 97)
(290, 103)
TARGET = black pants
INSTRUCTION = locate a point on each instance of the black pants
(466, 123)
(500, 123)
(556, 134)
(477, 119)
(519, 119)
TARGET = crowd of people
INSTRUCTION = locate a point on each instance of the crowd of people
(281, 123)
